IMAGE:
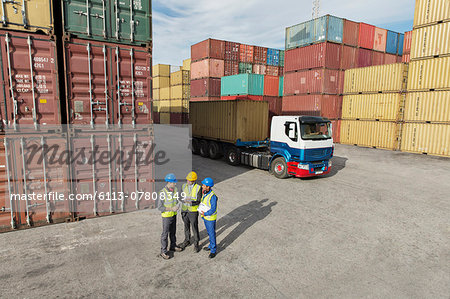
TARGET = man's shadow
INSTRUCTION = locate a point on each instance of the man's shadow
(245, 216)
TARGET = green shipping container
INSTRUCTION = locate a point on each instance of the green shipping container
(281, 58)
(245, 68)
(280, 91)
(243, 84)
(125, 21)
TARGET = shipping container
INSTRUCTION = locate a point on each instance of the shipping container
(401, 41)
(273, 57)
(299, 35)
(209, 48)
(207, 68)
(390, 58)
(321, 81)
(281, 86)
(245, 68)
(430, 12)
(259, 69)
(378, 58)
(180, 77)
(229, 121)
(175, 68)
(29, 67)
(161, 82)
(180, 92)
(156, 105)
(246, 53)
(429, 74)
(392, 42)
(329, 106)
(202, 99)
(187, 64)
(281, 71)
(379, 42)
(365, 57)
(431, 41)
(209, 87)
(164, 106)
(161, 70)
(366, 35)
(272, 70)
(271, 86)
(336, 128)
(7, 220)
(231, 68)
(328, 28)
(327, 55)
(431, 139)
(164, 118)
(282, 57)
(156, 94)
(164, 93)
(232, 51)
(349, 58)
(260, 55)
(375, 79)
(156, 118)
(31, 16)
(431, 106)
(351, 33)
(179, 118)
(243, 84)
(382, 106)
(407, 42)
(127, 22)
(406, 58)
(377, 134)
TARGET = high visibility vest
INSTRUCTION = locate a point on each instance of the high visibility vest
(192, 194)
(206, 200)
(169, 201)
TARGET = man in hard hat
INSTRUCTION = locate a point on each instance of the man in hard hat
(209, 214)
(192, 194)
(168, 205)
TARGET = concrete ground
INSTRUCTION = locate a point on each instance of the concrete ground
(377, 226)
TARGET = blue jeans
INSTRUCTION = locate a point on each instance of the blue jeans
(211, 229)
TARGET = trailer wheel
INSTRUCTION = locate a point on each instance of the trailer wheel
(195, 146)
(204, 148)
(279, 168)
(233, 156)
(214, 150)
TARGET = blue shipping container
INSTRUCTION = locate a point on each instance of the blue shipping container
(328, 28)
(243, 84)
(400, 44)
(273, 57)
(392, 42)
(299, 35)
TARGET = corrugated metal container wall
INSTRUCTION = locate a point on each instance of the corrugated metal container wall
(205, 88)
(202, 99)
(429, 74)
(379, 42)
(231, 68)
(243, 84)
(164, 118)
(281, 71)
(431, 12)
(161, 82)
(180, 92)
(407, 42)
(164, 93)
(34, 16)
(329, 106)
(431, 41)
(401, 40)
(187, 64)
(180, 77)
(336, 130)
(351, 33)
(156, 117)
(299, 35)
(126, 22)
(246, 53)
(365, 57)
(392, 42)
(280, 88)
(382, 106)
(406, 58)
(427, 106)
(179, 118)
(377, 134)
(260, 55)
(230, 120)
(210, 48)
(431, 139)
(207, 68)
(271, 86)
(328, 28)
(232, 51)
(312, 81)
(349, 58)
(161, 70)
(272, 70)
(378, 58)
(245, 68)
(366, 35)
(259, 69)
(273, 57)
(390, 58)
(29, 100)
(326, 55)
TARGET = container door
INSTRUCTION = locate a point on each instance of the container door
(7, 203)
(131, 21)
(30, 15)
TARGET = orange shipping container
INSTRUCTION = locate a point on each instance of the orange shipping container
(271, 86)
(246, 53)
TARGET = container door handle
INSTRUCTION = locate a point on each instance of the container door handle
(11, 87)
(132, 89)
(44, 168)
(121, 173)
(91, 104)
(94, 187)
(119, 103)
(8, 173)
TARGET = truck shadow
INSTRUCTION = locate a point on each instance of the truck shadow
(244, 216)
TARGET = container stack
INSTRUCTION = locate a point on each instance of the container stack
(427, 109)
(317, 54)
(161, 91)
(406, 57)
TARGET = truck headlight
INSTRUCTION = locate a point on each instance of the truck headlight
(330, 163)
(303, 166)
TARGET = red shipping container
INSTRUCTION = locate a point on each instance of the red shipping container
(246, 53)
(365, 57)
(178, 118)
(390, 58)
(379, 41)
(377, 58)
(399, 59)
(275, 105)
(271, 86)
(232, 51)
(349, 58)
(366, 35)
(203, 99)
(327, 55)
(208, 87)
(336, 128)
(207, 68)
(210, 48)
(260, 55)
(407, 42)
(259, 69)
(319, 81)
(231, 68)
(329, 106)
(341, 82)
(156, 117)
(272, 70)
(351, 33)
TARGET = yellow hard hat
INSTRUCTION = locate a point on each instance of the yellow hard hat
(192, 176)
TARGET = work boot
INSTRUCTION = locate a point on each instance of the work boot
(206, 249)
(184, 244)
(178, 249)
(212, 255)
(196, 248)
(165, 256)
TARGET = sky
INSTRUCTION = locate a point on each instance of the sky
(178, 24)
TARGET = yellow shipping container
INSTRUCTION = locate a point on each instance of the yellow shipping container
(156, 94)
(187, 64)
(161, 70)
(176, 106)
(429, 74)
(432, 139)
(381, 106)
(30, 16)
(432, 106)
(180, 77)
(373, 79)
(180, 92)
(431, 41)
(156, 104)
(379, 134)
(430, 12)
(164, 118)
(164, 93)
(164, 106)
(161, 82)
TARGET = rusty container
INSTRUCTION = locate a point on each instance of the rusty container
(351, 33)
(232, 51)
(210, 48)
(208, 87)
(246, 53)
(329, 106)
(325, 54)
(259, 55)
(317, 81)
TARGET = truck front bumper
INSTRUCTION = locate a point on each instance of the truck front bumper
(308, 169)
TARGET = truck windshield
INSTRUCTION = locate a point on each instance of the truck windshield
(316, 131)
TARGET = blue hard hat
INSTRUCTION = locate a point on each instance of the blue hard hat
(170, 178)
(208, 182)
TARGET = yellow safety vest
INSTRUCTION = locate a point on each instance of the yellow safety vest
(193, 194)
(206, 200)
(169, 202)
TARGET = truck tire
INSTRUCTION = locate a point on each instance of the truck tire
(204, 148)
(233, 156)
(279, 168)
(195, 146)
(214, 150)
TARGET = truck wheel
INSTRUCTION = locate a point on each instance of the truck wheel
(214, 150)
(204, 149)
(233, 156)
(279, 168)
(195, 146)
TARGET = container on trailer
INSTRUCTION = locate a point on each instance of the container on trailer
(299, 35)
(260, 55)
(431, 106)
(259, 69)
(231, 68)
(379, 42)
(209, 87)
(430, 139)
(381, 106)
(318, 81)
(328, 28)
(429, 74)
(161, 70)
(329, 106)
(243, 84)
(428, 12)
(210, 48)
(351, 33)
(207, 68)
(246, 53)
(180, 77)
(377, 134)
(327, 55)
(232, 51)
(431, 41)
(366, 36)
(179, 118)
(392, 42)
(271, 86)
(272, 70)
(245, 68)
(349, 58)
(273, 57)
